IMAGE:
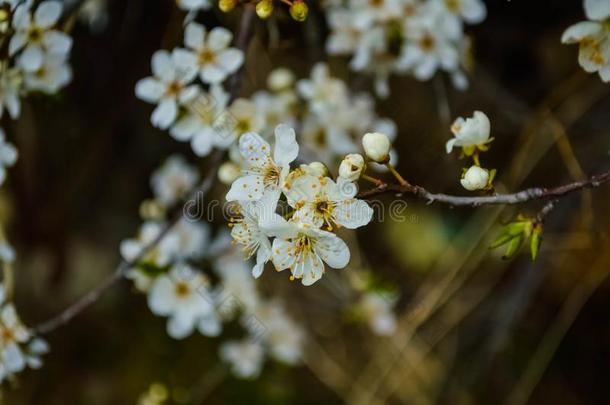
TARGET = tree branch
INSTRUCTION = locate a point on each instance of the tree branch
(537, 193)
(243, 39)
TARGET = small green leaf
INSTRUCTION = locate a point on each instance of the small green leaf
(150, 269)
(501, 240)
(513, 247)
(536, 241)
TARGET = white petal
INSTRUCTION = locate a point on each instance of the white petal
(254, 149)
(597, 9)
(332, 249)
(219, 38)
(209, 325)
(312, 269)
(579, 31)
(13, 359)
(163, 66)
(280, 254)
(353, 214)
(230, 59)
(194, 35)
(604, 73)
(180, 327)
(286, 147)
(47, 13)
(276, 226)
(150, 90)
(474, 11)
(202, 143)
(18, 41)
(165, 114)
(246, 188)
(31, 59)
(186, 65)
(184, 128)
(161, 298)
(57, 42)
(212, 74)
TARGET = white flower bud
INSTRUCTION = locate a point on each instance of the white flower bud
(315, 169)
(228, 172)
(280, 79)
(376, 147)
(475, 178)
(351, 167)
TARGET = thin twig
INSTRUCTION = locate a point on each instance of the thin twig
(536, 193)
(92, 296)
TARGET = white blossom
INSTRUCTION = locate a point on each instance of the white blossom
(471, 133)
(184, 296)
(263, 173)
(593, 38)
(36, 36)
(168, 87)
(377, 311)
(245, 357)
(173, 180)
(351, 166)
(209, 53)
(304, 249)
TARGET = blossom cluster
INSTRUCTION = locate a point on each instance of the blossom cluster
(19, 347)
(199, 282)
(37, 52)
(415, 37)
(593, 37)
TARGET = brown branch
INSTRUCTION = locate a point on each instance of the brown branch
(536, 193)
(202, 190)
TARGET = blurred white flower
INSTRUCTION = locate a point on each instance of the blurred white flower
(184, 296)
(377, 311)
(209, 53)
(245, 357)
(169, 87)
(36, 36)
(200, 123)
(593, 38)
(11, 81)
(173, 180)
(471, 133)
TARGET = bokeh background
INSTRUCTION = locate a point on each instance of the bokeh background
(473, 329)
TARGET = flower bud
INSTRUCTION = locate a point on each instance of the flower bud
(376, 147)
(264, 8)
(315, 169)
(475, 178)
(351, 167)
(280, 79)
(299, 10)
(227, 5)
(228, 172)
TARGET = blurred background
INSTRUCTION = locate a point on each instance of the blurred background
(472, 328)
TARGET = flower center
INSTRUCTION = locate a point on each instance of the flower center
(271, 176)
(206, 56)
(7, 335)
(173, 89)
(303, 246)
(182, 289)
(34, 34)
(427, 43)
(453, 5)
(324, 209)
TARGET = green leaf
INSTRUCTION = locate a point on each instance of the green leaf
(150, 269)
(536, 241)
(513, 247)
(502, 239)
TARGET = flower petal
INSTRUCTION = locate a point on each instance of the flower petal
(246, 188)
(47, 13)
(219, 38)
(194, 35)
(286, 146)
(164, 115)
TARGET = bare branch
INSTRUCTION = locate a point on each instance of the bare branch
(537, 193)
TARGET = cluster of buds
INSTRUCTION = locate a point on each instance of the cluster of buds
(516, 232)
(264, 8)
(473, 136)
